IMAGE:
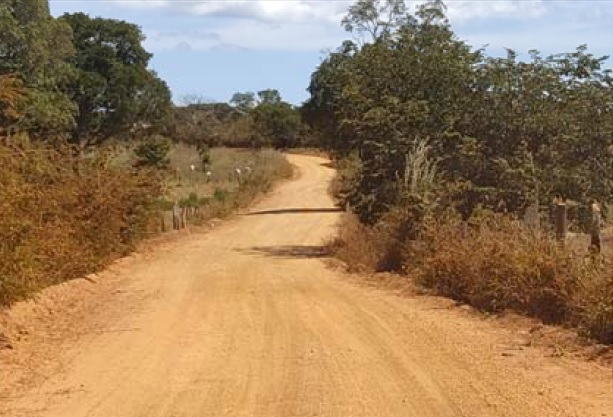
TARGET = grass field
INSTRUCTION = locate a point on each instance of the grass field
(217, 190)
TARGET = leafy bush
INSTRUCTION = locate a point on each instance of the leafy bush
(220, 194)
(153, 152)
(205, 155)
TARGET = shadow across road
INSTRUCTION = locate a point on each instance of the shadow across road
(288, 251)
(294, 211)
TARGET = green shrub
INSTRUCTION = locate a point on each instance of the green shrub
(153, 152)
(220, 194)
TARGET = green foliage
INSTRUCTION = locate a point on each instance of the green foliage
(153, 152)
(205, 155)
(504, 133)
(376, 18)
(220, 194)
(243, 101)
(192, 201)
(36, 47)
(276, 123)
(202, 124)
(269, 96)
(115, 92)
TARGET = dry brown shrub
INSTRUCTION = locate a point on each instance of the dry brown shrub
(11, 92)
(63, 215)
(362, 248)
(593, 302)
(501, 265)
(496, 265)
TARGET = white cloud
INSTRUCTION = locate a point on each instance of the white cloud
(254, 35)
(462, 11)
(315, 24)
(330, 12)
(267, 11)
(246, 35)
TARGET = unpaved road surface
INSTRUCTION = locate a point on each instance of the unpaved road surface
(247, 320)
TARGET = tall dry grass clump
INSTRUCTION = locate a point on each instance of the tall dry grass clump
(63, 215)
(362, 248)
(497, 265)
(500, 265)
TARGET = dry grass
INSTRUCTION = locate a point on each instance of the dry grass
(224, 191)
(499, 265)
(264, 163)
(361, 248)
(64, 216)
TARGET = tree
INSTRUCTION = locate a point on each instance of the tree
(115, 92)
(376, 18)
(322, 110)
(202, 123)
(503, 133)
(36, 48)
(153, 153)
(269, 96)
(243, 101)
(395, 91)
(277, 124)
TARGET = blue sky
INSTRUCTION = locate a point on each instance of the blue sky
(213, 48)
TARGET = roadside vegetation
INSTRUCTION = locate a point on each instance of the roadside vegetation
(94, 153)
(231, 180)
(450, 160)
(452, 163)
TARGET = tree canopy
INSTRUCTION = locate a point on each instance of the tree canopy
(504, 133)
(114, 90)
(36, 48)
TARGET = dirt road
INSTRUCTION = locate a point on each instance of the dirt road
(246, 320)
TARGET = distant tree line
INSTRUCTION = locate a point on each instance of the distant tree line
(247, 120)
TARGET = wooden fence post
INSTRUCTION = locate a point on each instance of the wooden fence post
(595, 226)
(176, 223)
(183, 218)
(561, 221)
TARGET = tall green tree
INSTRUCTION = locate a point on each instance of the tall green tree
(277, 124)
(375, 18)
(269, 96)
(322, 111)
(504, 133)
(36, 48)
(243, 102)
(116, 94)
(405, 87)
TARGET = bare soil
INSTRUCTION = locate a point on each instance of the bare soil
(246, 319)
